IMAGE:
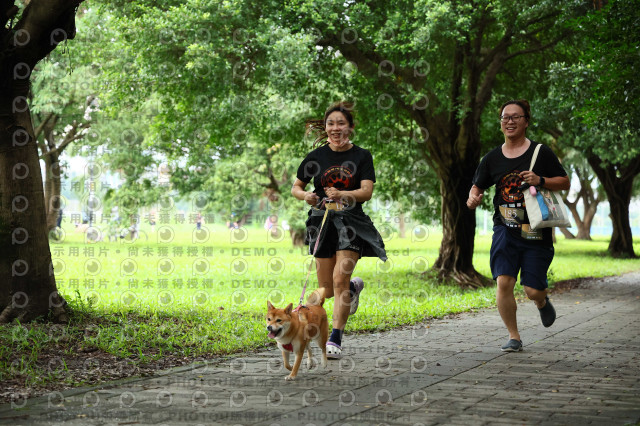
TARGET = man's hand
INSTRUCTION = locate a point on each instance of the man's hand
(475, 197)
(530, 178)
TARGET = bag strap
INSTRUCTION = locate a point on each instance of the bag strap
(535, 156)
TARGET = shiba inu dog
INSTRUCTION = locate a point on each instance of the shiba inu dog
(294, 330)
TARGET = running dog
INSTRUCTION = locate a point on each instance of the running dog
(293, 330)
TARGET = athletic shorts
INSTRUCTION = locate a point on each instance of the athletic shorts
(330, 241)
(510, 255)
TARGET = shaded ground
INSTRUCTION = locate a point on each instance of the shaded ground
(81, 369)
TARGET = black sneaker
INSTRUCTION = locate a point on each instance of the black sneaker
(547, 313)
(513, 345)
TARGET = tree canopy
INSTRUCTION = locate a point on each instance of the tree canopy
(236, 76)
(594, 97)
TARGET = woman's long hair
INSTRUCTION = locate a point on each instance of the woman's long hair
(318, 127)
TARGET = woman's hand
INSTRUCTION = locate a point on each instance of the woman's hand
(333, 193)
(297, 190)
(311, 198)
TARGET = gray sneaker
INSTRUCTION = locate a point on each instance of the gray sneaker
(547, 314)
(355, 297)
(513, 345)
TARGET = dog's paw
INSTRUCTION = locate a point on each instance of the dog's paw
(309, 364)
(324, 363)
(290, 377)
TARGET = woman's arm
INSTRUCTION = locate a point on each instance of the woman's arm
(360, 195)
(297, 190)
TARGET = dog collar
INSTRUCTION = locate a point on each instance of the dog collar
(288, 347)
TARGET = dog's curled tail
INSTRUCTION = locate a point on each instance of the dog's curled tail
(316, 298)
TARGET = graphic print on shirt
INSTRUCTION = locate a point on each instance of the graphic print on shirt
(509, 187)
(513, 208)
(338, 177)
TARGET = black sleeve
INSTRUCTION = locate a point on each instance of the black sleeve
(367, 171)
(482, 178)
(308, 169)
(551, 166)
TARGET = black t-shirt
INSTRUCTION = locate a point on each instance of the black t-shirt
(344, 170)
(508, 203)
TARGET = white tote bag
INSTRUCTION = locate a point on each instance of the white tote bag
(545, 209)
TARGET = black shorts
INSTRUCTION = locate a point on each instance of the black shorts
(510, 255)
(330, 241)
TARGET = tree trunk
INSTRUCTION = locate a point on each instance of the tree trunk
(589, 215)
(458, 229)
(567, 234)
(583, 224)
(52, 189)
(590, 201)
(27, 283)
(618, 184)
(584, 227)
(401, 225)
(621, 244)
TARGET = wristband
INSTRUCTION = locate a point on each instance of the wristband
(541, 184)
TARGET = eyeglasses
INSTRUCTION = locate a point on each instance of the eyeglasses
(506, 118)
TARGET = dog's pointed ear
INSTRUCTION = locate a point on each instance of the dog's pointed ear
(288, 309)
(270, 306)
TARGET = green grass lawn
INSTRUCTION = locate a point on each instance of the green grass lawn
(201, 295)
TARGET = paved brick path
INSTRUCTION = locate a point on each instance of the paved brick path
(584, 369)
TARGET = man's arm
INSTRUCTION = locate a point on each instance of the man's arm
(557, 183)
(475, 197)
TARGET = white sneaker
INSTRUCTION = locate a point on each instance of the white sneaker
(355, 298)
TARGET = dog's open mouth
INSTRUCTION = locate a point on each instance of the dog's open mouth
(273, 334)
